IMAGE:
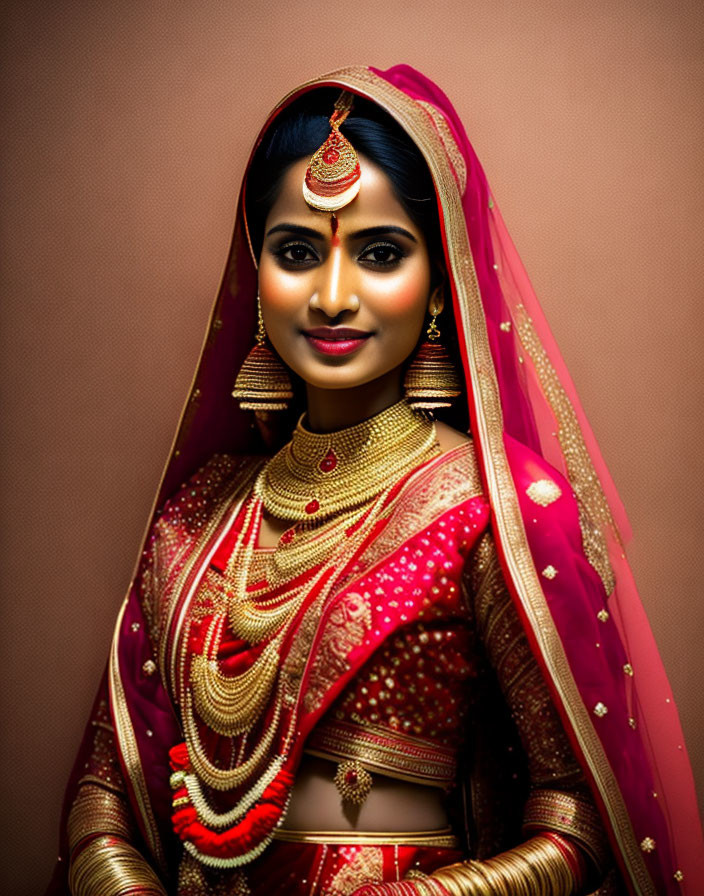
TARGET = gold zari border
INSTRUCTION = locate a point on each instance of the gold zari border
(178, 609)
(440, 838)
(129, 748)
(389, 752)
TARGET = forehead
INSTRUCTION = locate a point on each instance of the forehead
(375, 204)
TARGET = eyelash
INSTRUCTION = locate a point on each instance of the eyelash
(280, 253)
(397, 254)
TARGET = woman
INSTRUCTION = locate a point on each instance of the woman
(386, 657)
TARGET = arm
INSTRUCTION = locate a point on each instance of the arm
(565, 850)
(101, 834)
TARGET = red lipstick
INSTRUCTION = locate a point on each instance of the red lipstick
(336, 340)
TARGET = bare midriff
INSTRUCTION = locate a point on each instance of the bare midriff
(391, 805)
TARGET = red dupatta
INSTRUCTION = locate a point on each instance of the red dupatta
(561, 549)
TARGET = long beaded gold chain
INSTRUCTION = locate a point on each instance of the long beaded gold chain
(305, 546)
(231, 704)
(371, 458)
(257, 616)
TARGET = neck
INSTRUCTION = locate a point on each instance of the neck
(332, 409)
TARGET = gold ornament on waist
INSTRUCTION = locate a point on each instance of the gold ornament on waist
(353, 781)
(318, 475)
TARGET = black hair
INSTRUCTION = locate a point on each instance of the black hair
(305, 125)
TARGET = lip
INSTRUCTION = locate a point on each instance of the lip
(336, 340)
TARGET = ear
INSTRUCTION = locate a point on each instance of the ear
(436, 302)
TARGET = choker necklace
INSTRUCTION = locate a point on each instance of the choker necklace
(318, 475)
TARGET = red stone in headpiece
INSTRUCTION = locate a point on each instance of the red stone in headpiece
(332, 177)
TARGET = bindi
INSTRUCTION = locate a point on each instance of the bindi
(334, 224)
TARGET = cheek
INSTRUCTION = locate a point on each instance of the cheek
(282, 296)
(403, 297)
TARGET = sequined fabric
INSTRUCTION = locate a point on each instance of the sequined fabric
(405, 714)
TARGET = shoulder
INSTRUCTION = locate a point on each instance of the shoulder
(449, 479)
(457, 458)
(449, 438)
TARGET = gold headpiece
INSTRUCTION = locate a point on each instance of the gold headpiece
(332, 177)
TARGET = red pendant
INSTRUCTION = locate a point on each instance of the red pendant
(328, 463)
(288, 536)
(312, 506)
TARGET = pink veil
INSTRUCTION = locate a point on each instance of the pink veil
(585, 620)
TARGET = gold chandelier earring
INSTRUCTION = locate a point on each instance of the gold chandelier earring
(263, 383)
(431, 379)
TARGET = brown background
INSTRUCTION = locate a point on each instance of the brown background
(125, 128)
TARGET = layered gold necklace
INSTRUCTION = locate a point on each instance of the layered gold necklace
(318, 475)
(329, 486)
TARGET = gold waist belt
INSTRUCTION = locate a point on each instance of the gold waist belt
(441, 838)
(386, 751)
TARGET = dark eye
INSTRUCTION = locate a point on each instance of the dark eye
(382, 255)
(295, 254)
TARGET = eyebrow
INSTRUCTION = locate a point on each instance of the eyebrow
(358, 234)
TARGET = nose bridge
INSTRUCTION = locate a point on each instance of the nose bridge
(334, 290)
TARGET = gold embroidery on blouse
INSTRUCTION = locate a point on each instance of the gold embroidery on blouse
(550, 757)
(345, 627)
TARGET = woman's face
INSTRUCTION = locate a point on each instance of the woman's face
(344, 297)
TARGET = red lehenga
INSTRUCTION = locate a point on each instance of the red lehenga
(486, 581)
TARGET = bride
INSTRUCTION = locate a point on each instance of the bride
(381, 639)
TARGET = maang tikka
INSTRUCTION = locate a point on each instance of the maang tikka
(263, 383)
(332, 178)
(431, 379)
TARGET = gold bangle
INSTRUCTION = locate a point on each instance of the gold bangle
(534, 868)
(461, 879)
(570, 814)
(108, 866)
(97, 811)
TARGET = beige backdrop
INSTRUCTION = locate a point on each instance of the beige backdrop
(125, 129)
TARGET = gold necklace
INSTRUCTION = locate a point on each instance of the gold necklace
(304, 547)
(318, 475)
(231, 704)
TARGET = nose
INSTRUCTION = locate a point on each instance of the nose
(335, 293)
